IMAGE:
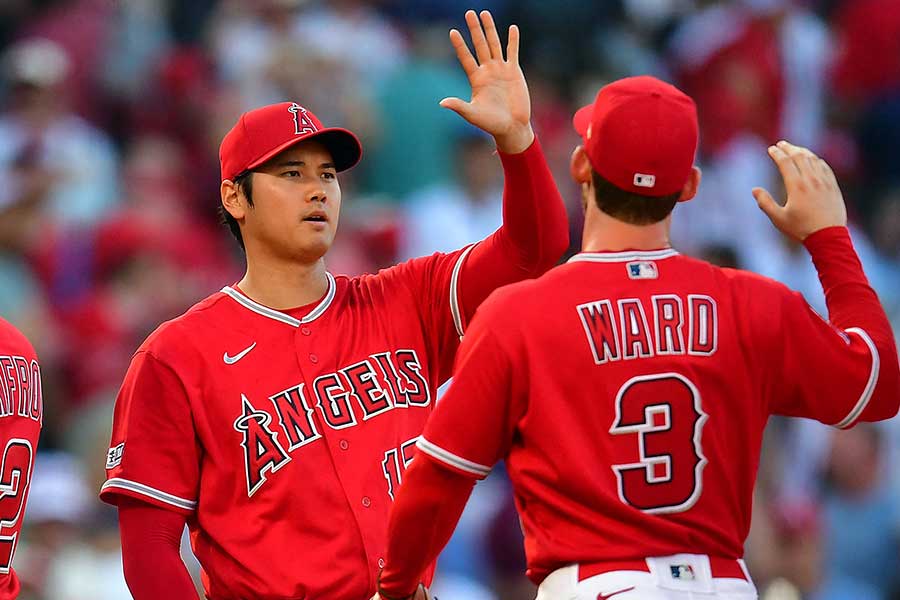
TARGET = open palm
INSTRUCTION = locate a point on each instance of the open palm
(500, 103)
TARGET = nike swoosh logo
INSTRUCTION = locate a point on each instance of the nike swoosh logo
(230, 360)
(602, 596)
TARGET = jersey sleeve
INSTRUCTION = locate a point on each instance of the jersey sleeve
(534, 235)
(427, 509)
(473, 425)
(843, 370)
(450, 287)
(151, 535)
(432, 284)
(154, 455)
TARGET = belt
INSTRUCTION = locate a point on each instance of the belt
(720, 567)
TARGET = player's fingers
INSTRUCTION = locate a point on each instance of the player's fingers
(767, 204)
(462, 52)
(512, 46)
(460, 107)
(791, 149)
(800, 156)
(493, 38)
(827, 172)
(786, 166)
(810, 164)
(482, 52)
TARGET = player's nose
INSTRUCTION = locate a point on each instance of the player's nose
(316, 194)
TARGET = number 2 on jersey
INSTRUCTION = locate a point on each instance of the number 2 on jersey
(665, 414)
(15, 476)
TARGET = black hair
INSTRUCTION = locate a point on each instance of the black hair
(244, 182)
(630, 207)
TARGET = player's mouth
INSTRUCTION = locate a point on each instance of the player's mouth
(317, 216)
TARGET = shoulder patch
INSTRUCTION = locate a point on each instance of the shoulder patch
(114, 456)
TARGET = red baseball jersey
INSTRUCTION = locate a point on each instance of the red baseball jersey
(628, 393)
(21, 417)
(283, 435)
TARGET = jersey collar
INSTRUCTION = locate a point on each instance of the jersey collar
(265, 311)
(627, 256)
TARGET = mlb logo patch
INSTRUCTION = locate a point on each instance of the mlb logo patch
(114, 456)
(644, 180)
(643, 269)
(682, 572)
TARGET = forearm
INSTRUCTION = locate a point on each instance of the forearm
(850, 299)
(424, 515)
(535, 229)
(533, 236)
(853, 304)
(151, 557)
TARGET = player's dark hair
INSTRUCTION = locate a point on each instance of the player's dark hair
(629, 207)
(243, 182)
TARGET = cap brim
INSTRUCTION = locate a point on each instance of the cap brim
(582, 119)
(344, 146)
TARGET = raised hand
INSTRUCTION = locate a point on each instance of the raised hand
(814, 200)
(500, 104)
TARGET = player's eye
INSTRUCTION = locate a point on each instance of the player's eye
(329, 176)
(292, 173)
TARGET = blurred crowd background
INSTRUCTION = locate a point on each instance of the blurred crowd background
(111, 112)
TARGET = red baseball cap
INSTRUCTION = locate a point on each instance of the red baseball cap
(640, 134)
(262, 133)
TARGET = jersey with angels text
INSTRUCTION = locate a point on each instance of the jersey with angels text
(21, 417)
(283, 435)
(628, 393)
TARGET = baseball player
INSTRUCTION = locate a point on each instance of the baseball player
(628, 389)
(277, 417)
(21, 418)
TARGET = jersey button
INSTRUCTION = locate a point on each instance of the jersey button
(344, 444)
(366, 502)
(381, 563)
(313, 358)
(305, 330)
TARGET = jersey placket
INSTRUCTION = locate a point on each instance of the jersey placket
(311, 362)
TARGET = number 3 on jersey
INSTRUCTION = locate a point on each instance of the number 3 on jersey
(664, 412)
(15, 475)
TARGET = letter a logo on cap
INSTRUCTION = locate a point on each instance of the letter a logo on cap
(302, 123)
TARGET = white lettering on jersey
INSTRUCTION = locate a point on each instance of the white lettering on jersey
(397, 382)
(20, 388)
(621, 330)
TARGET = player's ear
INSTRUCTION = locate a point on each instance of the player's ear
(692, 185)
(231, 199)
(580, 166)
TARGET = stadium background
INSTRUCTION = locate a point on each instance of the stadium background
(111, 112)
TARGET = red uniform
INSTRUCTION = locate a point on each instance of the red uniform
(628, 393)
(21, 417)
(283, 435)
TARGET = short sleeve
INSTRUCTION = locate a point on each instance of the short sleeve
(473, 425)
(154, 455)
(433, 282)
